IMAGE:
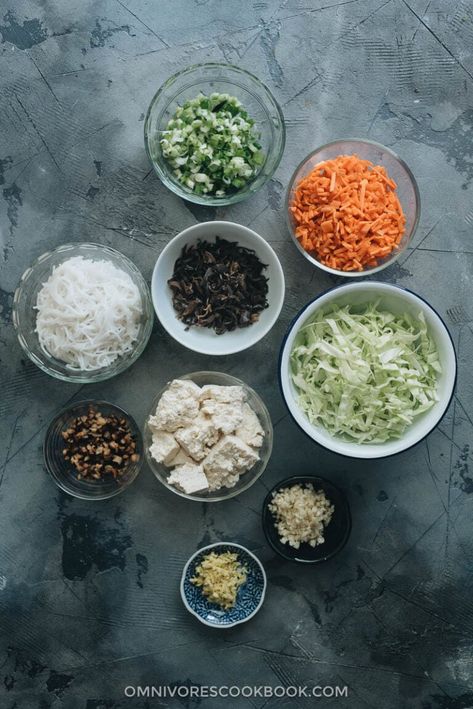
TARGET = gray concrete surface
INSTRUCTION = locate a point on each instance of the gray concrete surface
(89, 598)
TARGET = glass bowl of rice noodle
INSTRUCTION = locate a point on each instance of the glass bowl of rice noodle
(83, 312)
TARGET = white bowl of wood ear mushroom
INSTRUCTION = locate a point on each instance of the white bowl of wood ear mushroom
(208, 436)
(218, 288)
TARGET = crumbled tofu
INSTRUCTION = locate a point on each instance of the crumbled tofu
(207, 436)
(225, 394)
(226, 417)
(189, 478)
(178, 406)
(250, 430)
(164, 446)
(196, 439)
(227, 460)
(301, 514)
(186, 385)
(180, 458)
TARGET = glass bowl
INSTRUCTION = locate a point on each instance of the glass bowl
(63, 473)
(222, 78)
(336, 532)
(247, 479)
(24, 314)
(407, 191)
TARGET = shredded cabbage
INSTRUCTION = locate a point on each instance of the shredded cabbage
(364, 374)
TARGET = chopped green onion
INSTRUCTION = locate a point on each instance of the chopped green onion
(212, 145)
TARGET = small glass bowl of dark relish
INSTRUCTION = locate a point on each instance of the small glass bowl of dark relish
(93, 464)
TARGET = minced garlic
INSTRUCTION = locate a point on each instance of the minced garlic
(220, 577)
(301, 515)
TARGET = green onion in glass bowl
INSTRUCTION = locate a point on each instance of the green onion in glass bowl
(212, 145)
(214, 134)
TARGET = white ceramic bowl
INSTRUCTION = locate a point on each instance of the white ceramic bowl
(203, 339)
(397, 300)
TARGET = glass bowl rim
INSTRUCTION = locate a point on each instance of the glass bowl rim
(312, 259)
(96, 402)
(122, 363)
(212, 200)
(232, 492)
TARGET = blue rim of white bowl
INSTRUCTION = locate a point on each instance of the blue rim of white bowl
(236, 622)
(359, 284)
(312, 259)
(216, 224)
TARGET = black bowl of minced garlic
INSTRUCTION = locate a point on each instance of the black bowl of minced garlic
(93, 449)
(306, 519)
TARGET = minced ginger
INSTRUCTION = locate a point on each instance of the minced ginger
(220, 576)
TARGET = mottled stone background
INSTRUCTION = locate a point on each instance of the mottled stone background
(89, 599)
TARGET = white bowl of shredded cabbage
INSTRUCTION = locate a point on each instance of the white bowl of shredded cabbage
(368, 369)
(83, 312)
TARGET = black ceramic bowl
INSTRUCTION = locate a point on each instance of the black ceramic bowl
(336, 532)
(64, 474)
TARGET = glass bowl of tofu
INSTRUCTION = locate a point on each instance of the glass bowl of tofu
(208, 436)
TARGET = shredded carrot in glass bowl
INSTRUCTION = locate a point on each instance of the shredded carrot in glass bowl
(347, 214)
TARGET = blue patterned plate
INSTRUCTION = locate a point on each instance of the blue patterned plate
(250, 595)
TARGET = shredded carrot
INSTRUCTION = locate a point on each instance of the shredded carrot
(347, 213)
